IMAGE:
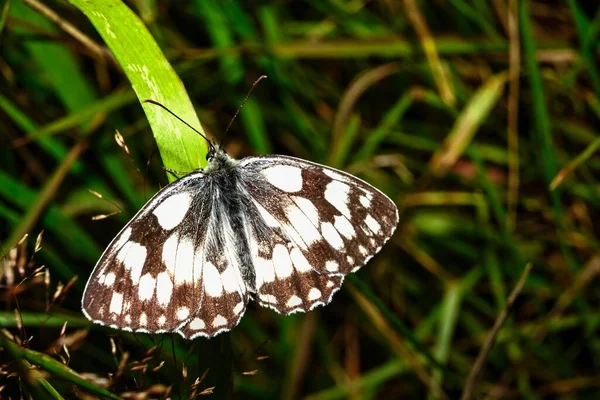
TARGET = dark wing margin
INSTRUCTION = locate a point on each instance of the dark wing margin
(324, 223)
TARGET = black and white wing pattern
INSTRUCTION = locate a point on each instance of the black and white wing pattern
(168, 270)
(280, 229)
(323, 224)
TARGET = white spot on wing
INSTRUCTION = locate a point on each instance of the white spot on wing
(269, 219)
(314, 294)
(123, 238)
(184, 262)
(308, 208)
(169, 253)
(143, 319)
(183, 313)
(212, 280)
(238, 308)
(372, 224)
(161, 320)
(293, 301)
(344, 227)
(109, 279)
(197, 324)
(265, 272)
(302, 231)
(146, 287)
(230, 281)
(331, 266)
(335, 175)
(171, 211)
(219, 321)
(164, 288)
(116, 303)
(282, 261)
(133, 256)
(365, 201)
(268, 298)
(332, 236)
(301, 264)
(336, 193)
(198, 261)
(284, 177)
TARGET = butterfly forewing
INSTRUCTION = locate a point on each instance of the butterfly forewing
(281, 229)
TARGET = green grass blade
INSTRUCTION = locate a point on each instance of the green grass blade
(56, 368)
(541, 120)
(473, 115)
(4, 7)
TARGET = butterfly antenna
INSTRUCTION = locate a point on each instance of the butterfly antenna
(156, 103)
(260, 78)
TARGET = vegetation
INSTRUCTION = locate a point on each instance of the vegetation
(478, 118)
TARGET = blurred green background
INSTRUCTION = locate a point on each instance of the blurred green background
(478, 118)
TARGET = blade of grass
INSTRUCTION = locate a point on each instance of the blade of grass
(368, 381)
(475, 17)
(355, 89)
(541, 121)
(42, 320)
(219, 30)
(389, 121)
(387, 47)
(352, 129)
(470, 119)
(394, 320)
(577, 161)
(588, 35)
(491, 338)
(448, 317)
(439, 72)
(4, 6)
(31, 385)
(105, 106)
(254, 125)
(50, 389)
(55, 368)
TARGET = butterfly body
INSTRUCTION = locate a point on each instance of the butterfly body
(278, 229)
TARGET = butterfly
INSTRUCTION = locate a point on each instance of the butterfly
(277, 229)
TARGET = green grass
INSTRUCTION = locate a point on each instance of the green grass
(413, 96)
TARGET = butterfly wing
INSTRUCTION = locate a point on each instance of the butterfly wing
(322, 224)
(164, 272)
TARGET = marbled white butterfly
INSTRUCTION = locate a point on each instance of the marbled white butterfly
(278, 229)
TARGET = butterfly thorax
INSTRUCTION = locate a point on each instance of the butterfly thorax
(219, 160)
